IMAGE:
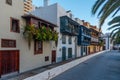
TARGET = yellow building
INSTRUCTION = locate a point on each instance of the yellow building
(94, 46)
(28, 7)
(87, 25)
(95, 34)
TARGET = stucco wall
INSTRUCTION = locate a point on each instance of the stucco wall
(48, 13)
(28, 60)
(78, 51)
(67, 45)
(91, 48)
(56, 11)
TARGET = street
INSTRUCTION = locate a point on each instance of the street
(105, 66)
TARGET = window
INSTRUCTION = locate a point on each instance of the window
(38, 47)
(9, 2)
(66, 22)
(70, 40)
(63, 39)
(15, 25)
(46, 58)
(8, 43)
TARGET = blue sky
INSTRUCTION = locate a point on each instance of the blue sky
(79, 8)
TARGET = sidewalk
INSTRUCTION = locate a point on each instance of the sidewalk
(50, 71)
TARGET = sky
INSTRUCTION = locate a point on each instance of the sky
(80, 9)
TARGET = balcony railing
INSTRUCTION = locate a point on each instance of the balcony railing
(68, 26)
(94, 40)
(83, 40)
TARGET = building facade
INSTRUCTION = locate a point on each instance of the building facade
(28, 7)
(15, 55)
(94, 45)
(69, 30)
(57, 13)
(108, 44)
(84, 39)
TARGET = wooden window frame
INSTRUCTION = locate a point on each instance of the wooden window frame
(11, 19)
(38, 51)
(8, 40)
(9, 3)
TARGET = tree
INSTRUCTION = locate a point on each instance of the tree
(115, 27)
(105, 8)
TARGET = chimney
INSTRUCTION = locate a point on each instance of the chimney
(46, 3)
(83, 21)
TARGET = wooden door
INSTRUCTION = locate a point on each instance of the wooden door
(53, 56)
(63, 53)
(82, 50)
(9, 61)
(69, 52)
(88, 50)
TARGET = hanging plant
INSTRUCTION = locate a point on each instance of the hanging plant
(40, 34)
(49, 34)
(29, 33)
(55, 36)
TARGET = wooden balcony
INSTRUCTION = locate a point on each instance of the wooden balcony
(68, 26)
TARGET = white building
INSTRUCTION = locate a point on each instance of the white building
(53, 13)
(107, 39)
(15, 55)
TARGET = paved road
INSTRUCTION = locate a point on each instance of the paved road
(102, 67)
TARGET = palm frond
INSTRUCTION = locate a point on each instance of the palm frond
(106, 6)
(113, 31)
(114, 20)
(114, 35)
(116, 12)
(97, 5)
(114, 26)
(108, 12)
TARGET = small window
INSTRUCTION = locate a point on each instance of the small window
(70, 40)
(8, 43)
(63, 39)
(38, 47)
(46, 58)
(9, 2)
(15, 25)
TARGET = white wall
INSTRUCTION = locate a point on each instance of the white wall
(107, 43)
(48, 13)
(67, 45)
(28, 60)
(78, 51)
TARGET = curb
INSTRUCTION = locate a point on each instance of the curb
(49, 74)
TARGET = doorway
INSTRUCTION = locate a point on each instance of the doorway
(63, 53)
(53, 56)
(9, 61)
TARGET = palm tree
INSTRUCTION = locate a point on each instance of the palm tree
(115, 22)
(106, 8)
(115, 27)
(115, 34)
